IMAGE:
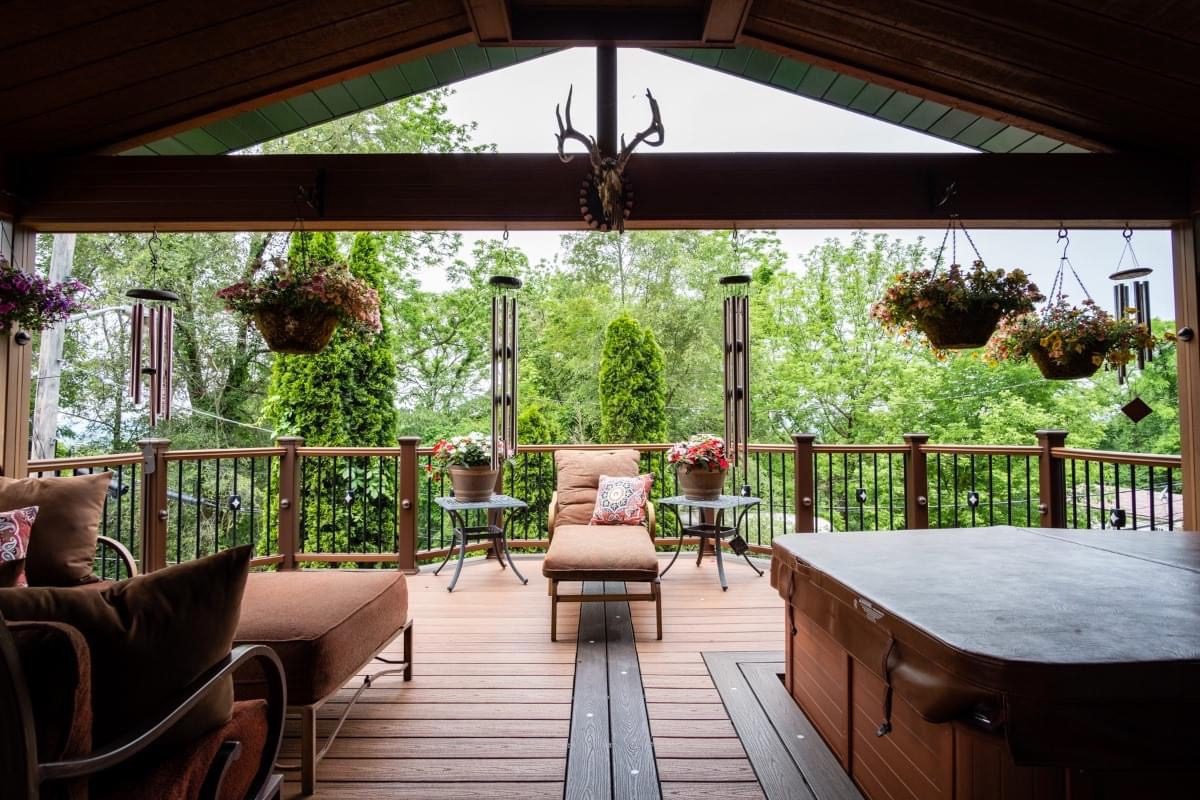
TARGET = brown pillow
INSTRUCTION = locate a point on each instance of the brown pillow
(578, 479)
(150, 638)
(10, 573)
(62, 546)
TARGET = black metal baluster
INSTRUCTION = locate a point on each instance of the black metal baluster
(233, 528)
(197, 501)
(937, 518)
(770, 501)
(253, 499)
(875, 487)
(1103, 499)
(1170, 499)
(1074, 497)
(1153, 522)
(1133, 496)
(1028, 494)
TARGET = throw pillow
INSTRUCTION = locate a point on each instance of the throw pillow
(62, 546)
(150, 637)
(15, 526)
(621, 501)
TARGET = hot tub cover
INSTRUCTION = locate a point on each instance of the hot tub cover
(1083, 646)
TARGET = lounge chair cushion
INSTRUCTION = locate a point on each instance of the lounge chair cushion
(601, 552)
(579, 474)
(324, 625)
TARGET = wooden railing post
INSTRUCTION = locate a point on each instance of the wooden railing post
(805, 489)
(916, 482)
(290, 491)
(407, 494)
(15, 361)
(1052, 480)
(153, 553)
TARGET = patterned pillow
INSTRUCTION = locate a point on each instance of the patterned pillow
(621, 501)
(15, 526)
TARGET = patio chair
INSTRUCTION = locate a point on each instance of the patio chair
(582, 552)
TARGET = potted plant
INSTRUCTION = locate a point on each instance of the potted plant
(30, 302)
(700, 466)
(296, 307)
(468, 460)
(1069, 342)
(956, 309)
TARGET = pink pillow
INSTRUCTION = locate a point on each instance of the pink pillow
(14, 536)
(621, 501)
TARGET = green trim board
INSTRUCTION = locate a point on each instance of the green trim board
(339, 100)
(854, 94)
(459, 63)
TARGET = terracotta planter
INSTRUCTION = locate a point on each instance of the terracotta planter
(700, 484)
(1077, 366)
(473, 483)
(961, 331)
(296, 331)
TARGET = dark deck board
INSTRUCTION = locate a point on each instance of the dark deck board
(635, 774)
(589, 766)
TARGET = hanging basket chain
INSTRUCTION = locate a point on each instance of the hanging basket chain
(1056, 294)
(1127, 235)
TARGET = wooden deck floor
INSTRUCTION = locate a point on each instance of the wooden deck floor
(486, 715)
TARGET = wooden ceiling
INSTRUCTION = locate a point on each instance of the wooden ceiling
(82, 77)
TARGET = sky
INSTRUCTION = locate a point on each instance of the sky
(708, 111)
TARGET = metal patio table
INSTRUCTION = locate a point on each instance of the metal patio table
(463, 532)
(716, 530)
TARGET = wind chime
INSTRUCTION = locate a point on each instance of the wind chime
(1127, 288)
(504, 363)
(152, 327)
(737, 367)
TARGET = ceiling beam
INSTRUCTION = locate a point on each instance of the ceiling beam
(617, 26)
(489, 20)
(724, 20)
(488, 191)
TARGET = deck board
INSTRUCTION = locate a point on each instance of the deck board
(487, 714)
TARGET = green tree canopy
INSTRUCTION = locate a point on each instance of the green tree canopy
(633, 394)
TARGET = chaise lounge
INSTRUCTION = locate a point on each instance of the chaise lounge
(581, 551)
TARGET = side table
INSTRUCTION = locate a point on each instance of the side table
(463, 532)
(717, 531)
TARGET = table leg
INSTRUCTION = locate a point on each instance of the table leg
(455, 523)
(751, 563)
(462, 556)
(678, 547)
(720, 563)
(508, 557)
(498, 550)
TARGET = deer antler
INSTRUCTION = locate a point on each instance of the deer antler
(655, 129)
(568, 131)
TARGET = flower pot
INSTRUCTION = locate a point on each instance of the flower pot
(699, 483)
(299, 331)
(962, 330)
(1076, 366)
(472, 484)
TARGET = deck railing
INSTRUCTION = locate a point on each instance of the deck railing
(310, 505)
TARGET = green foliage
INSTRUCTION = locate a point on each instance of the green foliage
(535, 424)
(633, 393)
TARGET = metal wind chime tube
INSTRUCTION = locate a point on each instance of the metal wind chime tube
(1127, 281)
(504, 367)
(152, 329)
(737, 374)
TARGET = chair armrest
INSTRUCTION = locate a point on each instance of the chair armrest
(122, 751)
(122, 553)
(651, 520)
(551, 513)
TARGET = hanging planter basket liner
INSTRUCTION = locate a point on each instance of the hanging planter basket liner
(1076, 366)
(963, 330)
(297, 331)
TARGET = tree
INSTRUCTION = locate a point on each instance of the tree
(633, 393)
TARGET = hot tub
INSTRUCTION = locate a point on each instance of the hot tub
(999, 662)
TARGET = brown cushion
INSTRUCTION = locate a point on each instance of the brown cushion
(578, 477)
(601, 552)
(62, 546)
(323, 624)
(150, 638)
(179, 775)
(10, 572)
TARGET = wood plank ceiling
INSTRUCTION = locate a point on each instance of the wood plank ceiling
(83, 77)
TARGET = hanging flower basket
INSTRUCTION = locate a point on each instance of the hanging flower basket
(297, 307)
(1071, 367)
(30, 302)
(1071, 342)
(295, 331)
(956, 309)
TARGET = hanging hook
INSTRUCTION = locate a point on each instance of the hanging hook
(153, 245)
(1127, 234)
(950, 193)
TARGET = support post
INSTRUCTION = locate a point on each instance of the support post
(290, 491)
(406, 511)
(1052, 480)
(805, 489)
(916, 482)
(1185, 238)
(15, 362)
(606, 99)
(154, 503)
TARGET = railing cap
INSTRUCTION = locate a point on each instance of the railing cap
(413, 440)
(153, 442)
(286, 440)
(916, 437)
(799, 438)
(1052, 436)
